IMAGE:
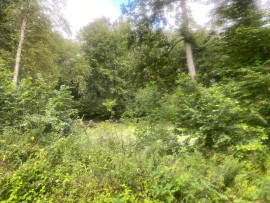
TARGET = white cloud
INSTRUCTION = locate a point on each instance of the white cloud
(81, 12)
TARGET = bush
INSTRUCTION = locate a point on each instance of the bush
(145, 104)
(32, 117)
(218, 121)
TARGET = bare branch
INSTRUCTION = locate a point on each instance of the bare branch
(170, 50)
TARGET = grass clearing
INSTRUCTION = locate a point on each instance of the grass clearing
(120, 130)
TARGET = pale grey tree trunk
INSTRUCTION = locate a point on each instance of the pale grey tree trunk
(21, 40)
(190, 62)
(185, 28)
(19, 50)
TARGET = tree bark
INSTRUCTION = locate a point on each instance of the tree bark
(19, 50)
(190, 62)
(189, 54)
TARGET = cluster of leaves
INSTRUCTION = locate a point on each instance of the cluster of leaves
(218, 120)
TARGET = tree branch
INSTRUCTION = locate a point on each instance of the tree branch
(170, 50)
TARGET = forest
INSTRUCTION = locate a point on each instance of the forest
(136, 110)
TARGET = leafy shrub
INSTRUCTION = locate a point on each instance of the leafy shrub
(252, 89)
(6, 96)
(145, 104)
(32, 116)
(30, 97)
(218, 121)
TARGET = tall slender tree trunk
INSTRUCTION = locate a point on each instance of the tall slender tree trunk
(189, 54)
(190, 62)
(19, 50)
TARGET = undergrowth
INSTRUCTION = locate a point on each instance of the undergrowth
(101, 165)
(48, 155)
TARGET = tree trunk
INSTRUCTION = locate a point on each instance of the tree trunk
(189, 55)
(190, 62)
(19, 50)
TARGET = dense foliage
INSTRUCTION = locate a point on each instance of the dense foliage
(155, 135)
